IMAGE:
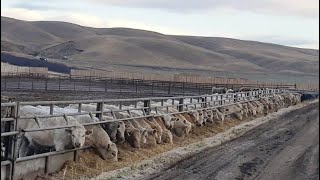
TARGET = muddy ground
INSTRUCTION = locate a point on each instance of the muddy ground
(285, 148)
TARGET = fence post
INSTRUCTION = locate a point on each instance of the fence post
(5, 83)
(152, 88)
(90, 84)
(183, 88)
(59, 83)
(169, 88)
(14, 144)
(8, 127)
(180, 108)
(137, 87)
(147, 103)
(19, 82)
(203, 102)
(105, 86)
(99, 108)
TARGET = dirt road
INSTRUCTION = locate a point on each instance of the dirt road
(284, 148)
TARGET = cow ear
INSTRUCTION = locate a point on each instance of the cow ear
(174, 118)
(68, 130)
(89, 132)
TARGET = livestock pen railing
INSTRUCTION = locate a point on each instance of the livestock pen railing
(13, 167)
(119, 85)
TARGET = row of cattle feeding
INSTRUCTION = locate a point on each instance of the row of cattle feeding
(105, 138)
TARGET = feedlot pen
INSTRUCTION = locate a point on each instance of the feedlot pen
(14, 168)
(119, 87)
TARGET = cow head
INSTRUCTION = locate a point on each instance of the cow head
(108, 152)
(121, 128)
(78, 135)
(133, 136)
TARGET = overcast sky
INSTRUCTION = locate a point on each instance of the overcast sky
(287, 22)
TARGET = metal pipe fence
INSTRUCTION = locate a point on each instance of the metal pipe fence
(117, 85)
(13, 166)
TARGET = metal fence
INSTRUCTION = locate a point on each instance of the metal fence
(117, 85)
(13, 167)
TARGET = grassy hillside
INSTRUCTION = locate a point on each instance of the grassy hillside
(139, 50)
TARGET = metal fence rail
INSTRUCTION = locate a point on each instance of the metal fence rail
(13, 167)
(117, 85)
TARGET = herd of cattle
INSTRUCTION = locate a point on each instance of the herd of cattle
(107, 137)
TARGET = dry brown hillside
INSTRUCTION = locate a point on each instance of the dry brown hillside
(139, 50)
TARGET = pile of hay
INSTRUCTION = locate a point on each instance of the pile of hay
(90, 165)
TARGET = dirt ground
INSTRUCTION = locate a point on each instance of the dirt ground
(285, 148)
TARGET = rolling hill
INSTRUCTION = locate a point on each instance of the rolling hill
(139, 50)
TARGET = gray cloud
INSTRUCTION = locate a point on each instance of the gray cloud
(39, 6)
(305, 8)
